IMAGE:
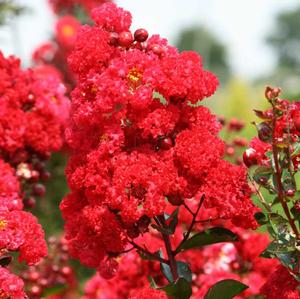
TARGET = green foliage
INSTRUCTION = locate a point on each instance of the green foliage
(210, 236)
(180, 289)
(183, 270)
(225, 289)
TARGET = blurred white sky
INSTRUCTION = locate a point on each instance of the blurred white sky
(241, 24)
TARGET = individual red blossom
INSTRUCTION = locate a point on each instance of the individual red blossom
(20, 231)
(11, 286)
(112, 18)
(30, 116)
(90, 40)
(44, 53)
(205, 152)
(66, 30)
(230, 194)
(9, 188)
(281, 284)
(140, 184)
(91, 233)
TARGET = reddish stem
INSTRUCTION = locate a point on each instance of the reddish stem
(281, 196)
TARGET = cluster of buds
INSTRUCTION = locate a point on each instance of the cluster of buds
(273, 158)
(235, 144)
(33, 176)
(54, 271)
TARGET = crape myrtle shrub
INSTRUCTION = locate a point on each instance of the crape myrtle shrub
(32, 119)
(145, 154)
(273, 158)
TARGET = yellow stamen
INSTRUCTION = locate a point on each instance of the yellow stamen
(3, 224)
(135, 77)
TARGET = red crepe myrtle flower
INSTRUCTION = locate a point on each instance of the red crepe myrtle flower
(281, 284)
(138, 143)
(11, 286)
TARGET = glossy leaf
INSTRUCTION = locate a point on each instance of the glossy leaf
(225, 289)
(180, 289)
(210, 236)
(183, 270)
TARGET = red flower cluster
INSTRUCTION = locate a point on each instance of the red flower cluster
(239, 261)
(32, 117)
(281, 284)
(139, 144)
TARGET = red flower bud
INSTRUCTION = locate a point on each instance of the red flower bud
(39, 189)
(272, 93)
(113, 38)
(35, 290)
(166, 143)
(125, 39)
(140, 35)
(250, 157)
(29, 202)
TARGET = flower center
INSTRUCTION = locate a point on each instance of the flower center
(134, 78)
(68, 31)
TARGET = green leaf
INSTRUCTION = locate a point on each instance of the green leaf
(225, 289)
(180, 289)
(54, 290)
(261, 218)
(210, 236)
(183, 270)
(173, 220)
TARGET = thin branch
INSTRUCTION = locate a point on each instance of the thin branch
(148, 253)
(188, 233)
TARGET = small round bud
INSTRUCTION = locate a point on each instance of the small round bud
(43, 282)
(113, 38)
(29, 202)
(156, 49)
(230, 151)
(166, 143)
(38, 189)
(141, 35)
(250, 157)
(296, 121)
(236, 125)
(263, 180)
(45, 175)
(33, 276)
(290, 192)
(66, 271)
(297, 206)
(264, 131)
(39, 166)
(240, 141)
(125, 39)
(36, 290)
